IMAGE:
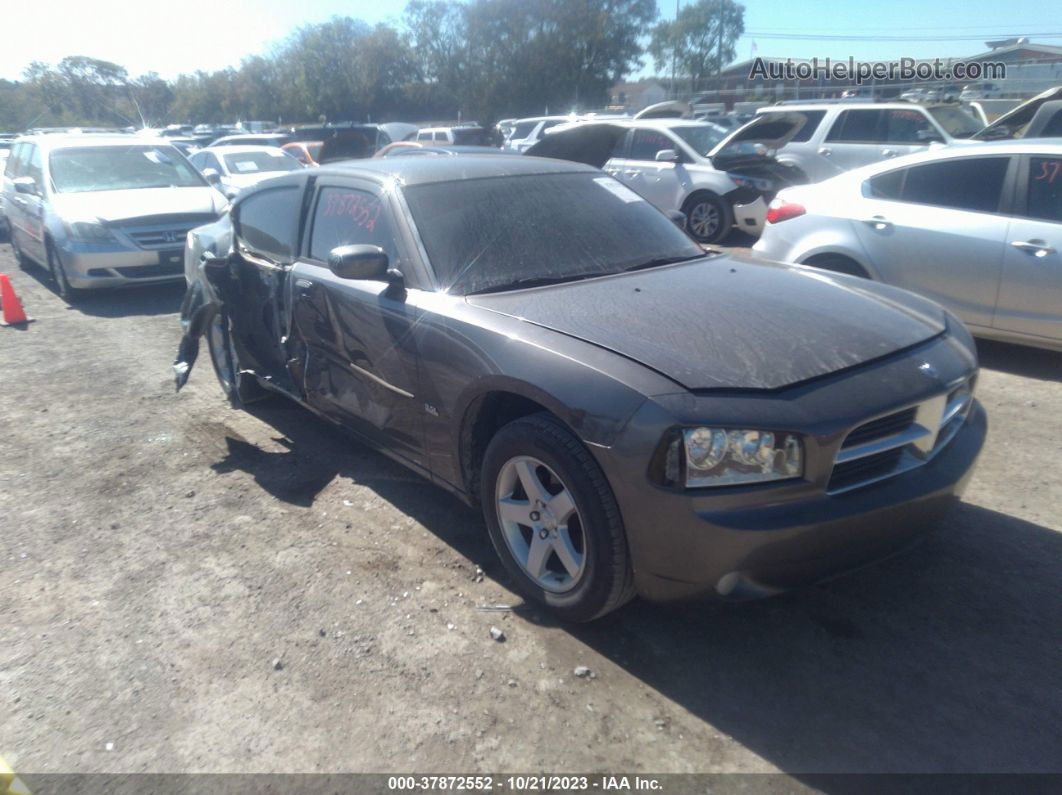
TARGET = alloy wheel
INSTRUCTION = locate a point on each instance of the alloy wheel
(704, 220)
(541, 524)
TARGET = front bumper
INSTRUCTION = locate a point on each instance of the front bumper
(758, 539)
(89, 265)
(751, 217)
(757, 551)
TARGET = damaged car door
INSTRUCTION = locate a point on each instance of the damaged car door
(356, 355)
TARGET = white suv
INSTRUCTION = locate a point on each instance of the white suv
(716, 181)
(836, 137)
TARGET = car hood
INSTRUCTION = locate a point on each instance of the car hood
(246, 180)
(729, 322)
(118, 205)
(1010, 122)
(764, 136)
(590, 143)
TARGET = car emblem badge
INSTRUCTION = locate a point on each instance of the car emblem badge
(928, 369)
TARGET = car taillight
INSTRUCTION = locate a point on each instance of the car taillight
(782, 211)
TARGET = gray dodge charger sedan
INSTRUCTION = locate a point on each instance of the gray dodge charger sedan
(631, 413)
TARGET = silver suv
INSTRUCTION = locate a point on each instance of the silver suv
(841, 136)
(103, 211)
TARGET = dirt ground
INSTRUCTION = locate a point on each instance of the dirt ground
(189, 588)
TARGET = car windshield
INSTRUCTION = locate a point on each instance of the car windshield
(702, 139)
(257, 162)
(957, 122)
(522, 130)
(85, 169)
(487, 235)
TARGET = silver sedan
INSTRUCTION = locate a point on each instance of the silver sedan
(976, 228)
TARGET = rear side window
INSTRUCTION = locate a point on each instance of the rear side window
(646, 143)
(268, 223)
(908, 127)
(1045, 189)
(347, 217)
(885, 186)
(856, 127)
(814, 118)
(970, 183)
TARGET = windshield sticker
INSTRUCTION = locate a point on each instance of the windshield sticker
(617, 189)
(246, 165)
(362, 208)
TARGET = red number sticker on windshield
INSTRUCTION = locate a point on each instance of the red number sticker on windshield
(362, 208)
(1048, 170)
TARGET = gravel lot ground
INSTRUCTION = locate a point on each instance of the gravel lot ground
(160, 552)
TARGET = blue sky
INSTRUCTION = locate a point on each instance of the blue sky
(170, 38)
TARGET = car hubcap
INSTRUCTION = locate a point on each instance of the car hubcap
(704, 219)
(541, 524)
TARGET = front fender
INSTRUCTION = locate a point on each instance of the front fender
(200, 306)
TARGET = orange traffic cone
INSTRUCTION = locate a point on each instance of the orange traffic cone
(14, 314)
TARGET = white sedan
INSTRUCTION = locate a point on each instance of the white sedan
(232, 168)
(977, 228)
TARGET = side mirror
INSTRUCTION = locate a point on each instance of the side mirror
(369, 263)
(667, 156)
(211, 176)
(678, 218)
(27, 185)
(929, 136)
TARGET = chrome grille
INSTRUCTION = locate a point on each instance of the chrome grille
(170, 237)
(158, 232)
(899, 442)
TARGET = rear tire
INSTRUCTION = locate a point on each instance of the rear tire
(586, 570)
(838, 263)
(239, 387)
(708, 217)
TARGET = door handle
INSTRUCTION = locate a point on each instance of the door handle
(888, 153)
(878, 222)
(825, 151)
(1036, 247)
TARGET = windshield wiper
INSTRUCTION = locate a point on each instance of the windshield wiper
(659, 261)
(536, 281)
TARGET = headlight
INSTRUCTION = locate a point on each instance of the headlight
(88, 231)
(700, 457)
(751, 182)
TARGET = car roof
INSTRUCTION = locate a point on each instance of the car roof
(425, 170)
(1046, 146)
(50, 141)
(235, 150)
(855, 105)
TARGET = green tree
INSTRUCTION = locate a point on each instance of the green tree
(693, 42)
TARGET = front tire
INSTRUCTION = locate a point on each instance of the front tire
(708, 217)
(58, 272)
(239, 387)
(554, 521)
